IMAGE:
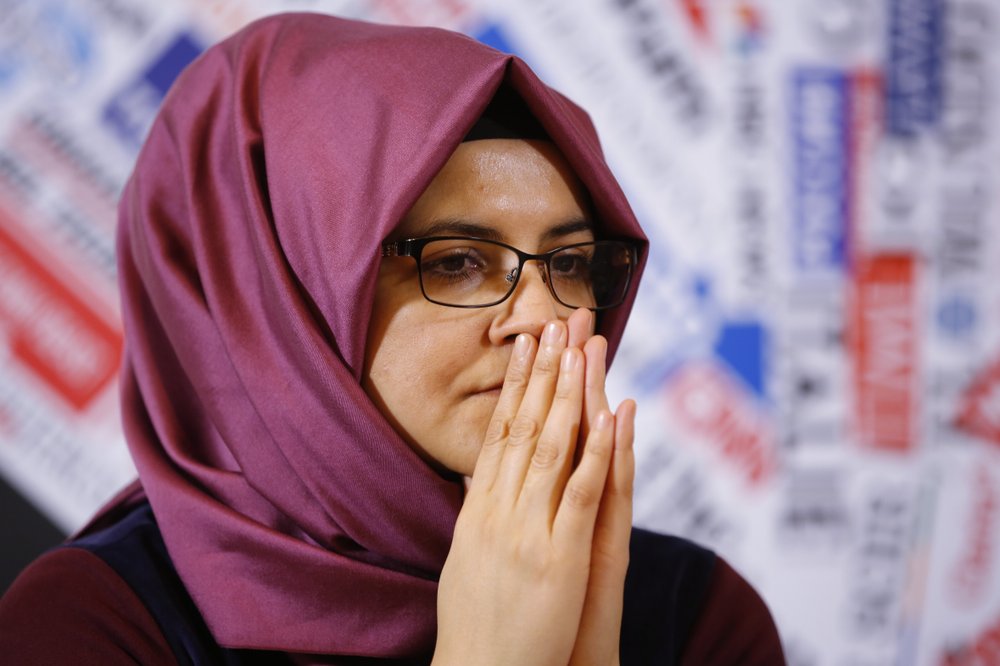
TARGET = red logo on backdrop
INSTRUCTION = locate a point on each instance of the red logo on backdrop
(51, 330)
(706, 402)
(984, 650)
(884, 339)
(979, 413)
(971, 574)
(429, 12)
(695, 12)
(865, 100)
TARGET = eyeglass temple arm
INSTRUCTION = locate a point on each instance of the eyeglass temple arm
(396, 249)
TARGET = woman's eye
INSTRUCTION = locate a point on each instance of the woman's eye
(452, 264)
(571, 266)
(456, 264)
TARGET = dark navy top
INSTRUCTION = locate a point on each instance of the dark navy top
(683, 605)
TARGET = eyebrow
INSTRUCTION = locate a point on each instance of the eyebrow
(462, 227)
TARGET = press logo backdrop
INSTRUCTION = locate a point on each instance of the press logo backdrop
(816, 346)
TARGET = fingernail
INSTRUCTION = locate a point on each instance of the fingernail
(521, 345)
(604, 354)
(552, 333)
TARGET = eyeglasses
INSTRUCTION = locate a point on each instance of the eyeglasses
(465, 272)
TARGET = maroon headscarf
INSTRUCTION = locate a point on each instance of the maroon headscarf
(249, 242)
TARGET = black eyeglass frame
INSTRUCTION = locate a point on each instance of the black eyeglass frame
(413, 247)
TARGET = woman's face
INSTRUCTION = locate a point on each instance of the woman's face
(435, 372)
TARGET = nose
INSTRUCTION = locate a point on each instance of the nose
(528, 309)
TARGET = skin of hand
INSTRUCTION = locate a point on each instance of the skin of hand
(517, 586)
(600, 626)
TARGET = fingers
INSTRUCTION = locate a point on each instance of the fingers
(600, 625)
(581, 327)
(614, 518)
(526, 425)
(537, 424)
(596, 351)
(581, 498)
(511, 394)
(594, 397)
(550, 463)
(602, 481)
(623, 465)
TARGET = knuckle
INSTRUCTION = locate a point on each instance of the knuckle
(495, 432)
(621, 488)
(515, 379)
(599, 449)
(613, 557)
(565, 390)
(580, 496)
(546, 455)
(523, 428)
(546, 364)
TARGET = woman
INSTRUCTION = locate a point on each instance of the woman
(361, 385)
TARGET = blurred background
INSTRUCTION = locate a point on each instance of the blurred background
(816, 347)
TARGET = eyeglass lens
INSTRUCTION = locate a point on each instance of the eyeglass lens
(468, 272)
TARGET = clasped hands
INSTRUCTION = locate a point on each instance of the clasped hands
(536, 570)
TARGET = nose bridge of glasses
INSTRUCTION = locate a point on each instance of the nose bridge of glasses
(517, 272)
(522, 281)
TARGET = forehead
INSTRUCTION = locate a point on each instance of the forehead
(511, 188)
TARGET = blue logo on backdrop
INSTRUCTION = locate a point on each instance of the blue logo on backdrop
(131, 111)
(68, 51)
(956, 316)
(913, 69)
(493, 35)
(820, 138)
(742, 346)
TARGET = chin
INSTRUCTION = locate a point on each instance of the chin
(456, 446)
(464, 462)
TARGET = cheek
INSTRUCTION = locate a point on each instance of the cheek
(415, 355)
(413, 351)
(416, 377)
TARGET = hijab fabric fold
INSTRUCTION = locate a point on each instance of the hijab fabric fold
(249, 239)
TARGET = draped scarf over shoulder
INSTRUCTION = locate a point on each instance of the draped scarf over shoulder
(249, 239)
